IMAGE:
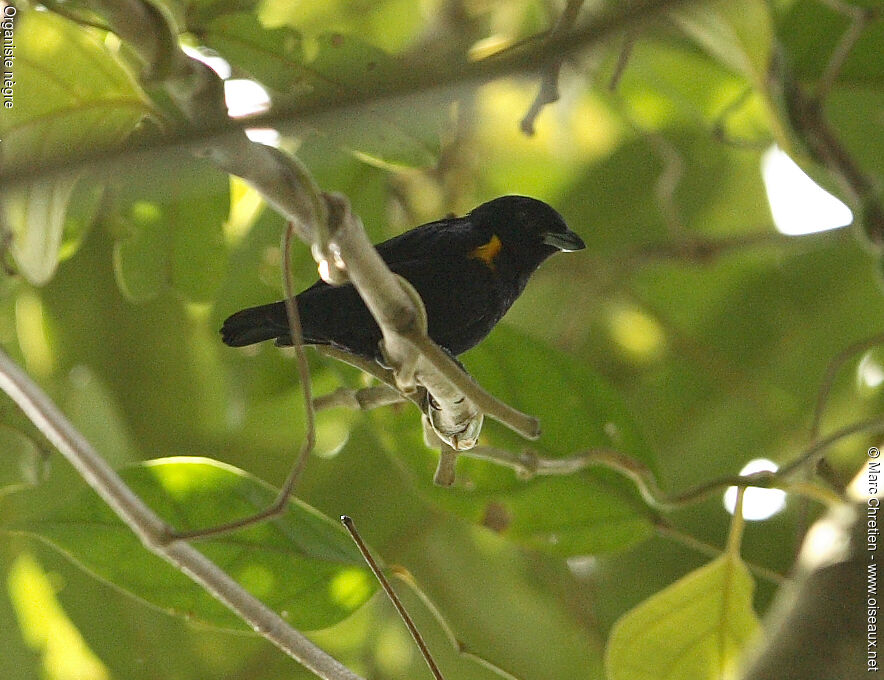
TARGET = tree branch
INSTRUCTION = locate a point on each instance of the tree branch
(280, 503)
(807, 117)
(435, 72)
(549, 80)
(325, 221)
(154, 532)
(528, 464)
(361, 400)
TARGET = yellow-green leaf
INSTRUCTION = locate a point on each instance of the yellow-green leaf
(70, 93)
(301, 562)
(696, 629)
(739, 34)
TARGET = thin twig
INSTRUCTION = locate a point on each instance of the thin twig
(719, 127)
(528, 464)
(622, 60)
(153, 532)
(460, 647)
(436, 72)
(372, 368)
(364, 399)
(825, 390)
(280, 503)
(394, 598)
(695, 249)
(860, 18)
(819, 447)
(549, 80)
(832, 371)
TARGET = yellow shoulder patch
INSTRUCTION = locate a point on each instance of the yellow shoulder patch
(487, 252)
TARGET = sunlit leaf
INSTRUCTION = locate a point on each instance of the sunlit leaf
(70, 93)
(695, 629)
(302, 564)
(343, 67)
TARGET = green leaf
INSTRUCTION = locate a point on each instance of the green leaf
(592, 511)
(402, 132)
(576, 406)
(695, 629)
(174, 239)
(69, 93)
(36, 214)
(395, 133)
(739, 34)
(302, 564)
(273, 57)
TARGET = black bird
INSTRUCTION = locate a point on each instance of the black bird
(468, 271)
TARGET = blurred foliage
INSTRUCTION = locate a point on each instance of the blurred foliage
(689, 335)
(695, 628)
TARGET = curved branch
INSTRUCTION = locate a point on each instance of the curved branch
(325, 221)
(280, 503)
(435, 72)
(528, 464)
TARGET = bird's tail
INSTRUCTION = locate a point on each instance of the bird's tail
(257, 324)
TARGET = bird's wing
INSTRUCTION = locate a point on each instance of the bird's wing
(445, 235)
(402, 251)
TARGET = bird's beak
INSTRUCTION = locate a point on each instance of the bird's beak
(565, 241)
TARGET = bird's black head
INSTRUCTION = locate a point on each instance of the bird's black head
(529, 230)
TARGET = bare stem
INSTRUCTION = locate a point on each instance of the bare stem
(528, 464)
(622, 60)
(549, 81)
(365, 399)
(280, 503)
(461, 648)
(154, 532)
(860, 18)
(832, 371)
(394, 598)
